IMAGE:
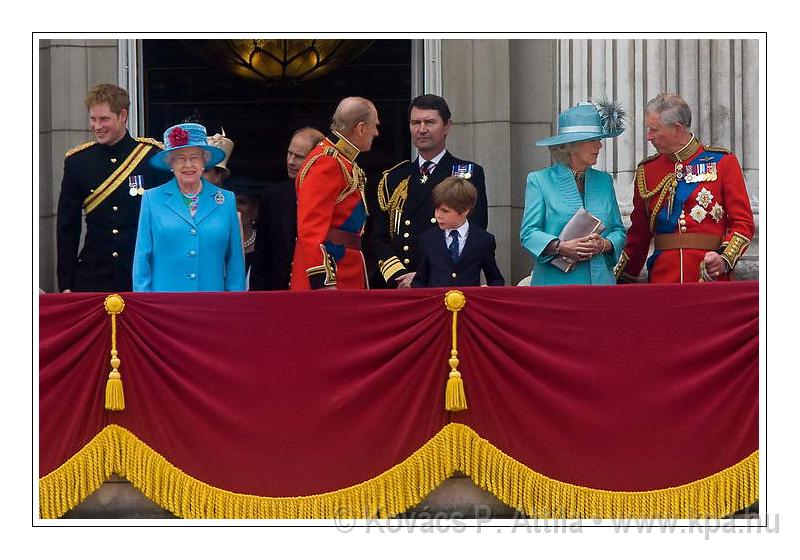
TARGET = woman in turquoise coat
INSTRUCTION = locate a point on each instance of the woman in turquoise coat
(189, 238)
(553, 195)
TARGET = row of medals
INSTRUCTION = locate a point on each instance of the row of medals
(136, 184)
(459, 170)
(697, 173)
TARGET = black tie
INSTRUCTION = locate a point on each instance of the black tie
(453, 247)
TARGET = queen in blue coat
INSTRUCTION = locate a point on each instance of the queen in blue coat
(189, 238)
(553, 195)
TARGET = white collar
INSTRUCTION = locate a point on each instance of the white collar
(435, 160)
(462, 230)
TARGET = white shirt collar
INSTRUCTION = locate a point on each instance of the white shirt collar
(435, 160)
(462, 230)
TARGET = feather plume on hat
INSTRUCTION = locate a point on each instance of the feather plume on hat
(612, 114)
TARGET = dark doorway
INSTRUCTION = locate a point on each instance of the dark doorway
(260, 116)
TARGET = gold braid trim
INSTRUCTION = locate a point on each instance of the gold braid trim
(327, 269)
(455, 447)
(390, 267)
(383, 190)
(396, 205)
(152, 141)
(621, 264)
(115, 179)
(735, 249)
(355, 180)
(641, 183)
(308, 165)
(662, 189)
(79, 148)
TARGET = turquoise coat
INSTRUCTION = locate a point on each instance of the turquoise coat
(551, 199)
(178, 253)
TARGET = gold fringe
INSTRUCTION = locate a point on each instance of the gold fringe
(455, 448)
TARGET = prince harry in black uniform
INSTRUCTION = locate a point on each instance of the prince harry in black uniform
(405, 209)
(103, 183)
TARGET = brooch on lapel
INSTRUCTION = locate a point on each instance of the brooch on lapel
(219, 198)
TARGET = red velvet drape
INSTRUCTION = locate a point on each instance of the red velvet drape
(288, 394)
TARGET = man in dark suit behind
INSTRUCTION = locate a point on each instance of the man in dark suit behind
(454, 253)
(277, 219)
(404, 208)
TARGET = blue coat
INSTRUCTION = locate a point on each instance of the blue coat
(178, 253)
(551, 199)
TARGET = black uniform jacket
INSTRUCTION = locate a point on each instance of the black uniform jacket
(405, 211)
(275, 240)
(436, 267)
(104, 264)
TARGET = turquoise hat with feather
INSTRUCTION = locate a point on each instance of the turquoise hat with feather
(587, 121)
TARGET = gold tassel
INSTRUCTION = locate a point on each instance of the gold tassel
(455, 399)
(115, 397)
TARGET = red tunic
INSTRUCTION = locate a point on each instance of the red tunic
(330, 219)
(718, 206)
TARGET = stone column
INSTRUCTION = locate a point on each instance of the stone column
(533, 99)
(68, 68)
(502, 94)
(475, 82)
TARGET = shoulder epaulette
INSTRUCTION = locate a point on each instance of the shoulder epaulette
(79, 148)
(153, 141)
(717, 149)
(405, 161)
(648, 158)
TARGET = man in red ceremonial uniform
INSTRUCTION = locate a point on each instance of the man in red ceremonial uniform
(330, 202)
(692, 198)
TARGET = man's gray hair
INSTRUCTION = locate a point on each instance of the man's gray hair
(671, 108)
(350, 112)
(561, 152)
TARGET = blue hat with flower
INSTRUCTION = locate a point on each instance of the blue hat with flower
(587, 121)
(186, 135)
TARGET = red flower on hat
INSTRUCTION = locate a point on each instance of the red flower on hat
(178, 137)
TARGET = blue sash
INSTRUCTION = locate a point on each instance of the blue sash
(353, 224)
(668, 223)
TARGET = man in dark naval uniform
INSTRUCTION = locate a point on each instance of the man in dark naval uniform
(404, 192)
(103, 181)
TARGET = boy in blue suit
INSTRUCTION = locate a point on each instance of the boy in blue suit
(455, 253)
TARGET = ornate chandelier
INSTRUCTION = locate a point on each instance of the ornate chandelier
(296, 60)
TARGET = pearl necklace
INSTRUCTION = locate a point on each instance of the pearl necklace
(250, 240)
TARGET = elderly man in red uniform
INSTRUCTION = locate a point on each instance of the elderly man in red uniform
(691, 197)
(330, 202)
